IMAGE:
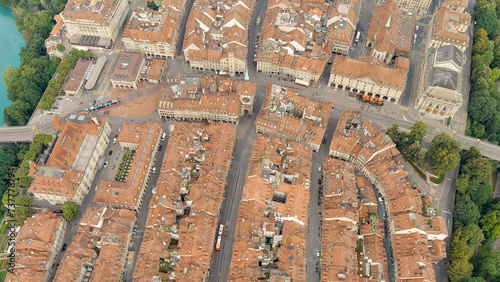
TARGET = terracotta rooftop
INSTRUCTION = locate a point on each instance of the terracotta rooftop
(195, 165)
(146, 137)
(371, 69)
(77, 75)
(127, 66)
(34, 247)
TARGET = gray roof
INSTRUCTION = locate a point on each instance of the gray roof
(444, 78)
(450, 53)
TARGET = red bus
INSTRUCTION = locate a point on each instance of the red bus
(219, 238)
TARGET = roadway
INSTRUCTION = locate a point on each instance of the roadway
(182, 34)
(245, 136)
(314, 217)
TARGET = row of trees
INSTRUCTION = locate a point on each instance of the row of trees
(62, 72)
(443, 154)
(476, 222)
(26, 83)
(25, 155)
(484, 100)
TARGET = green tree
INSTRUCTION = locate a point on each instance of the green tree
(459, 267)
(23, 201)
(70, 210)
(393, 131)
(61, 49)
(482, 109)
(474, 236)
(152, 5)
(477, 167)
(444, 153)
(462, 183)
(490, 225)
(20, 215)
(417, 131)
(466, 212)
(487, 20)
(495, 74)
(480, 71)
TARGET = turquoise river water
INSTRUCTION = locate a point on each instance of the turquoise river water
(10, 46)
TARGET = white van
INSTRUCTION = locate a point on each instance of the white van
(163, 136)
(114, 140)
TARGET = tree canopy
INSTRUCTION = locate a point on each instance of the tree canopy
(70, 210)
(444, 153)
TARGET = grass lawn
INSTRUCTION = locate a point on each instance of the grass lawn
(437, 180)
(415, 167)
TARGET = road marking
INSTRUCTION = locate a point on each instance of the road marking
(447, 212)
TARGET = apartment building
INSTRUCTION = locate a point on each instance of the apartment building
(289, 44)
(76, 78)
(207, 99)
(36, 247)
(100, 247)
(139, 143)
(417, 239)
(217, 36)
(126, 71)
(340, 220)
(343, 16)
(154, 33)
(72, 165)
(449, 27)
(457, 5)
(391, 32)
(369, 76)
(440, 86)
(292, 117)
(420, 7)
(270, 234)
(184, 210)
(94, 23)
(55, 38)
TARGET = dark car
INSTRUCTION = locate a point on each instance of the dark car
(58, 211)
(319, 181)
(110, 152)
(159, 148)
(64, 248)
(324, 141)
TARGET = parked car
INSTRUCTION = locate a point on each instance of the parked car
(153, 170)
(318, 253)
(319, 181)
(159, 148)
(105, 164)
(63, 249)
(57, 211)
(110, 152)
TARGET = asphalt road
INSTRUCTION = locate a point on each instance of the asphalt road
(245, 136)
(182, 33)
(314, 217)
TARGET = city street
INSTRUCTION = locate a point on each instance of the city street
(314, 221)
(385, 116)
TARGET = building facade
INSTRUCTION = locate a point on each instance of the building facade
(72, 165)
(440, 86)
(420, 7)
(100, 19)
(126, 71)
(154, 33)
(368, 76)
(449, 27)
(141, 142)
(36, 247)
